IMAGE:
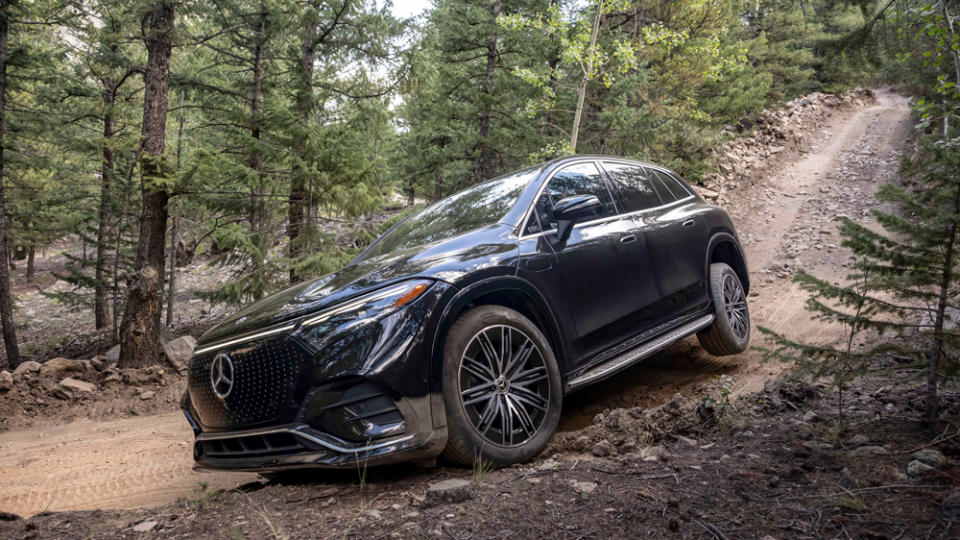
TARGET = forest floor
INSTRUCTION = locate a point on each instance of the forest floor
(779, 463)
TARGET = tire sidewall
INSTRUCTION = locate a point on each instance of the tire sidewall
(718, 271)
(460, 429)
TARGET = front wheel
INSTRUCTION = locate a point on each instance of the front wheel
(730, 331)
(501, 388)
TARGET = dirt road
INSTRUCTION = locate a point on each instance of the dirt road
(786, 220)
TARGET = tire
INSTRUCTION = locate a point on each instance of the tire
(497, 412)
(730, 331)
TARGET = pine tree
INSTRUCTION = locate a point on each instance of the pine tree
(338, 107)
(463, 108)
(92, 109)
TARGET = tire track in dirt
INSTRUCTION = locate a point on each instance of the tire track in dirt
(146, 461)
(129, 463)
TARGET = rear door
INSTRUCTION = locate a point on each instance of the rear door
(676, 237)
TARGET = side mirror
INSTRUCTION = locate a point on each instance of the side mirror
(572, 210)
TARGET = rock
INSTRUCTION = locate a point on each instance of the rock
(917, 468)
(112, 356)
(145, 526)
(97, 363)
(603, 449)
(865, 451)
(27, 367)
(951, 505)
(584, 488)
(455, 490)
(6, 380)
(930, 456)
(805, 101)
(179, 351)
(708, 193)
(743, 435)
(858, 440)
(72, 388)
(149, 394)
(809, 416)
(410, 529)
(817, 445)
(688, 441)
(60, 367)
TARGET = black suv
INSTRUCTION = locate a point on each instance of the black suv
(462, 327)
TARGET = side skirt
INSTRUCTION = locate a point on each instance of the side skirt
(636, 354)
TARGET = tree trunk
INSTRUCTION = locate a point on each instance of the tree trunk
(257, 214)
(31, 254)
(933, 357)
(6, 303)
(172, 283)
(481, 165)
(140, 331)
(437, 183)
(100, 314)
(298, 181)
(582, 87)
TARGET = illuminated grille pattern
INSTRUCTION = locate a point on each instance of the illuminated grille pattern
(265, 386)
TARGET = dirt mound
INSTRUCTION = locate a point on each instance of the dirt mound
(635, 428)
(74, 389)
(783, 393)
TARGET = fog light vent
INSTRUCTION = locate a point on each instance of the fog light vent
(354, 411)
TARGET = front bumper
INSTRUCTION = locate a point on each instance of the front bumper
(300, 446)
(368, 397)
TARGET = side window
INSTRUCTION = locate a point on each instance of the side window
(671, 186)
(631, 184)
(579, 179)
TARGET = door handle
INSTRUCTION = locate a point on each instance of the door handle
(689, 223)
(628, 238)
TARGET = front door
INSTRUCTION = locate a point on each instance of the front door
(602, 274)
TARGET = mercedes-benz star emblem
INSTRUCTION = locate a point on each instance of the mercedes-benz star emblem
(221, 375)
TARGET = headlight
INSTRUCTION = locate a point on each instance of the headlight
(319, 327)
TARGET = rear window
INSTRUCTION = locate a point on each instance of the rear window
(670, 188)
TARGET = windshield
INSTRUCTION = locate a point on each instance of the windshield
(472, 208)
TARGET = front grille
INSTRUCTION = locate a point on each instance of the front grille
(266, 384)
(249, 446)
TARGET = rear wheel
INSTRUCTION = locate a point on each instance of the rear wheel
(730, 331)
(501, 388)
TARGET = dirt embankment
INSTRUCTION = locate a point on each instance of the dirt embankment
(785, 207)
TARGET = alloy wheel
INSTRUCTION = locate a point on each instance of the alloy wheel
(735, 303)
(503, 385)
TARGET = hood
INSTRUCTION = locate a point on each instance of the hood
(446, 260)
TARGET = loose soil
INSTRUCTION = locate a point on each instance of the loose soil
(719, 481)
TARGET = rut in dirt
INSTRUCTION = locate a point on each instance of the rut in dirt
(785, 219)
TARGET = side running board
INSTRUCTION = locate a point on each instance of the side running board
(634, 355)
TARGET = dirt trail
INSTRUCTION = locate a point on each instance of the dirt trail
(786, 220)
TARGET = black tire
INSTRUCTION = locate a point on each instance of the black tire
(730, 331)
(535, 380)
